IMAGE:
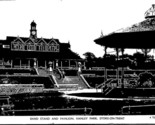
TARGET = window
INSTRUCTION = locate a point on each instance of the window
(6, 46)
(17, 46)
(30, 47)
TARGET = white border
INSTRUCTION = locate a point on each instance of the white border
(120, 119)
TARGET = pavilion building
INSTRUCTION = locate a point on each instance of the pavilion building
(25, 52)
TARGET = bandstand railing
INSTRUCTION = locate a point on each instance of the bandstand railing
(122, 77)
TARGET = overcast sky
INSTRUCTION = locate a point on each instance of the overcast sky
(76, 21)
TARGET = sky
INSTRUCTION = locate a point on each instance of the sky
(78, 22)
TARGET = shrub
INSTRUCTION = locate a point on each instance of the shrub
(146, 79)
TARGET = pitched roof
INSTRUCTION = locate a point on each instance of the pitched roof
(146, 25)
(131, 37)
(9, 39)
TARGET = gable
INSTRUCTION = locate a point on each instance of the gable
(29, 41)
(53, 42)
(41, 41)
(18, 40)
(18, 44)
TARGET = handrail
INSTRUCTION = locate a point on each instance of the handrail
(104, 83)
(36, 71)
(108, 91)
(84, 80)
(54, 80)
(59, 71)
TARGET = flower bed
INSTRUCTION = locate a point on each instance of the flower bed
(24, 79)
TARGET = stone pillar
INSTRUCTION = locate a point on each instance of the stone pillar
(79, 68)
(57, 65)
(35, 63)
(50, 67)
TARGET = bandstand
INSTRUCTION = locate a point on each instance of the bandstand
(138, 36)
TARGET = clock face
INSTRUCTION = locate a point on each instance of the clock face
(33, 32)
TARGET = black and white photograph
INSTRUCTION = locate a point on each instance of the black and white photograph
(77, 61)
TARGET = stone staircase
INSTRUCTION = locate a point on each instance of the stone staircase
(69, 82)
(43, 72)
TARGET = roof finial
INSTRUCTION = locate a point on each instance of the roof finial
(101, 34)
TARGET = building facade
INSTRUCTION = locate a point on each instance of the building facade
(26, 52)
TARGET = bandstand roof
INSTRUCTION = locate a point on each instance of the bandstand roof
(131, 40)
(140, 35)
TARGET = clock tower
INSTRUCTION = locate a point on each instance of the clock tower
(33, 30)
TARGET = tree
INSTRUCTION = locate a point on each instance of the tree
(139, 59)
(110, 61)
(89, 56)
(146, 79)
(90, 59)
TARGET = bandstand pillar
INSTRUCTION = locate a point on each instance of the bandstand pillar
(105, 70)
(79, 68)
(117, 72)
(105, 74)
(105, 51)
(122, 80)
